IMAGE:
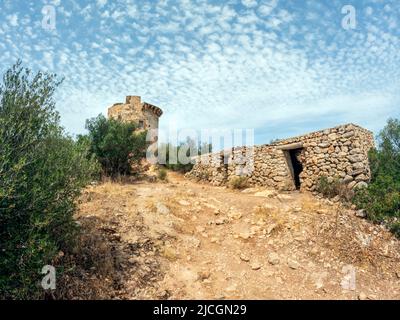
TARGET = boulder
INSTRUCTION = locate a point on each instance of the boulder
(361, 185)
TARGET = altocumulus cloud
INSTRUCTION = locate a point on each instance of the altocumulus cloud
(279, 67)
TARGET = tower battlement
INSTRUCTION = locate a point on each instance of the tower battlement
(144, 114)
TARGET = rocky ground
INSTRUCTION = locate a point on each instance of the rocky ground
(185, 240)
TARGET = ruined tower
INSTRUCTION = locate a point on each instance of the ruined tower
(144, 114)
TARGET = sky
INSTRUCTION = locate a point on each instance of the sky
(282, 68)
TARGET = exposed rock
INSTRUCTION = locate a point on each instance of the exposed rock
(184, 203)
(235, 215)
(244, 235)
(361, 213)
(361, 185)
(273, 258)
(255, 266)
(202, 275)
(266, 193)
(162, 208)
(293, 264)
(220, 221)
(362, 296)
(243, 257)
(270, 228)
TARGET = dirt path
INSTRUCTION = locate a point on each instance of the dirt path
(185, 240)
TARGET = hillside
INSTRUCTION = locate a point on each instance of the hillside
(186, 240)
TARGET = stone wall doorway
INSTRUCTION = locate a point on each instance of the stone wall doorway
(294, 158)
(296, 165)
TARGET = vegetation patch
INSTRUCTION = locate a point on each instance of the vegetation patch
(42, 172)
(381, 199)
(115, 145)
(238, 182)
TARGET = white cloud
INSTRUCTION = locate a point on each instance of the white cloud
(265, 10)
(13, 20)
(249, 3)
(132, 11)
(101, 3)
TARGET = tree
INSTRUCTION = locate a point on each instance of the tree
(115, 144)
(381, 200)
(42, 172)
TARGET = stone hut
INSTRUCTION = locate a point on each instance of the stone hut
(294, 163)
(144, 114)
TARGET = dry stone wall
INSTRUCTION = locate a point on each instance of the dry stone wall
(340, 152)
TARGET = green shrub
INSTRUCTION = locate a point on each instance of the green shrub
(116, 144)
(42, 172)
(327, 188)
(330, 188)
(238, 182)
(162, 174)
(204, 175)
(395, 228)
(334, 187)
(381, 199)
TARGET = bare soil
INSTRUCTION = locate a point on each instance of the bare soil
(185, 240)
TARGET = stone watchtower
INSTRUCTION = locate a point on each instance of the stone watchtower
(133, 110)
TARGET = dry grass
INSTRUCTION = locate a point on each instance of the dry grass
(162, 174)
(169, 253)
(238, 182)
(151, 206)
(309, 205)
(90, 268)
(272, 216)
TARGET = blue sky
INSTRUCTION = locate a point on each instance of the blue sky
(281, 67)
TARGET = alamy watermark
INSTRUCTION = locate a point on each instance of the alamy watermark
(349, 21)
(49, 280)
(49, 18)
(349, 279)
(208, 146)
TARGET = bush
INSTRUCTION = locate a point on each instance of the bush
(42, 172)
(116, 144)
(331, 188)
(328, 188)
(381, 199)
(162, 174)
(238, 182)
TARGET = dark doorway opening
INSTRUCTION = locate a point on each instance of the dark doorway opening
(295, 159)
